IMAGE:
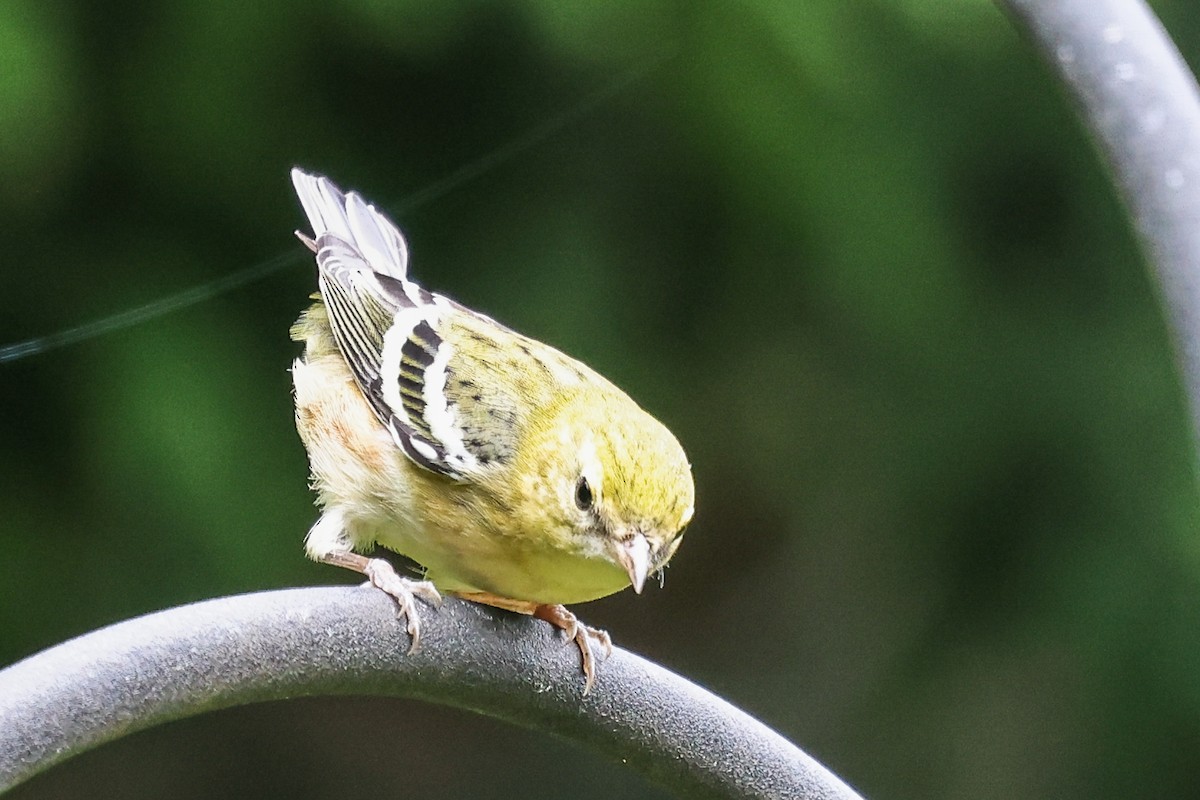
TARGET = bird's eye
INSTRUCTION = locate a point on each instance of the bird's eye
(583, 495)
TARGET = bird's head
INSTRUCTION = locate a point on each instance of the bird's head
(620, 483)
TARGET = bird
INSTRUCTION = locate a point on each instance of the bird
(510, 473)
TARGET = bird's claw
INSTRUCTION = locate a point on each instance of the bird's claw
(382, 575)
(582, 635)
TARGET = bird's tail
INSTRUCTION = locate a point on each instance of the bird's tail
(353, 220)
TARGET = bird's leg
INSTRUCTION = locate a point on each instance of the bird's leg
(495, 600)
(382, 575)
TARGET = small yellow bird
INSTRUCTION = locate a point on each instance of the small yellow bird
(514, 475)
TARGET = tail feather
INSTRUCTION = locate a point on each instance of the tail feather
(355, 221)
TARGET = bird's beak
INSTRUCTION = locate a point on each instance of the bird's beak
(634, 555)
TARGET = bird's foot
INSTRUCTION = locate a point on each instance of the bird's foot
(382, 575)
(581, 634)
(558, 616)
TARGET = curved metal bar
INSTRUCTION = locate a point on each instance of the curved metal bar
(1142, 106)
(275, 645)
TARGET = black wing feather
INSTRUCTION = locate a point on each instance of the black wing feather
(363, 305)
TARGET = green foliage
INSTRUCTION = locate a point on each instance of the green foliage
(859, 257)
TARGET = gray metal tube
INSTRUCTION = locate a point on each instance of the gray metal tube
(275, 645)
(1142, 106)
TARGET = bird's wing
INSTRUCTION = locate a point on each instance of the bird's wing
(387, 331)
(454, 387)
(384, 324)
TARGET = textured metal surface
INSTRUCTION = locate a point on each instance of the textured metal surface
(299, 642)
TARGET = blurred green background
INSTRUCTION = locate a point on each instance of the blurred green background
(858, 256)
